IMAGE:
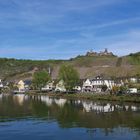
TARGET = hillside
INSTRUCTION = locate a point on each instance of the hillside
(88, 66)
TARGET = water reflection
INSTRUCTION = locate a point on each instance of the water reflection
(49, 101)
(108, 107)
(20, 98)
(111, 119)
(97, 117)
(90, 106)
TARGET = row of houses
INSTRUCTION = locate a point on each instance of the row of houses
(100, 84)
(97, 84)
(87, 85)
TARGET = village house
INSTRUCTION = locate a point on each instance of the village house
(60, 87)
(27, 84)
(87, 86)
(96, 84)
(132, 90)
(133, 80)
(21, 86)
(48, 87)
(1, 84)
(77, 88)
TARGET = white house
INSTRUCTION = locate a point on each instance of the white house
(87, 86)
(132, 90)
(60, 87)
(49, 86)
(90, 106)
(109, 83)
(77, 88)
(133, 80)
(96, 84)
(1, 84)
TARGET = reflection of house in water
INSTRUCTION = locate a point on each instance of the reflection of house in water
(134, 108)
(104, 108)
(49, 101)
(90, 106)
(20, 98)
(60, 102)
(1, 95)
(127, 107)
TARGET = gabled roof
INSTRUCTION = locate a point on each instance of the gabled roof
(27, 82)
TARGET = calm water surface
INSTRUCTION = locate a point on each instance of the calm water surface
(44, 118)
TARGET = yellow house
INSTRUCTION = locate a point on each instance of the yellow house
(21, 86)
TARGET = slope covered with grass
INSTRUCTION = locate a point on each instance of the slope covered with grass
(87, 66)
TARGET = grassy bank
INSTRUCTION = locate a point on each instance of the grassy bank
(107, 97)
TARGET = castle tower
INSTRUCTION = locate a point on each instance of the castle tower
(106, 51)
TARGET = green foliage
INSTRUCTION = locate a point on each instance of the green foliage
(12, 67)
(135, 58)
(69, 75)
(83, 61)
(115, 89)
(40, 79)
(123, 88)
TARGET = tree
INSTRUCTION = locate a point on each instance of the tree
(123, 89)
(40, 79)
(115, 90)
(70, 76)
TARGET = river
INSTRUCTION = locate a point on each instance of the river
(47, 118)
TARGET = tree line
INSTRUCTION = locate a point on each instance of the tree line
(67, 73)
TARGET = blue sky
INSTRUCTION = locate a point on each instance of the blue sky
(62, 29)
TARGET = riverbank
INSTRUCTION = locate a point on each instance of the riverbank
(88, 96)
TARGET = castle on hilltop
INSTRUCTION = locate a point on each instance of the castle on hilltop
(104, 53)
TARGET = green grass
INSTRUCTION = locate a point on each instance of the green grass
(134, 58)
